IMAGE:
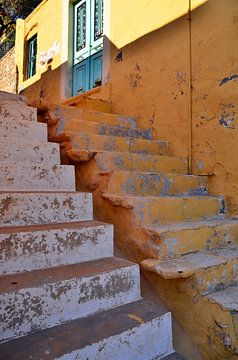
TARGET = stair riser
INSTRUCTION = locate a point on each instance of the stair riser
(102, 129)
(13, 111)
(47, 153)
(175, 243)
(67, 113)
(31, 309)
(112, 143)
(216, 278)
(163, 210)
(117, 162)
(156, 185)
(133, 343)
(22, 177)
(26, 251)
(32, 131)
(28, 209)
(6, 96)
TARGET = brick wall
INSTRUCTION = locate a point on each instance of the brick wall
(8, 76)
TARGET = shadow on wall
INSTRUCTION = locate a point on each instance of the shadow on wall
(51, 87)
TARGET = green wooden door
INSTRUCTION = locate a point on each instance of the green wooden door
(88, 45)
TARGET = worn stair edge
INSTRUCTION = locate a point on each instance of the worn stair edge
(42, 246)
(21, 176)
(227, 299)
(44, 298)
(120, 333)
(206, 272)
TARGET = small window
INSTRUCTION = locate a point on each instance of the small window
(31, 56)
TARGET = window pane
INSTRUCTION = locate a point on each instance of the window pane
(32, 53)
(81, 27)
(98, 19)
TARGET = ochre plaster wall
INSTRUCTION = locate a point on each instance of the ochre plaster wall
(215, 107)
(47, 21)
(149, 80)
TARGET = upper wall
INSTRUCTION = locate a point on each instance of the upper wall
(52, 49)
(215, 107)
(149, 80)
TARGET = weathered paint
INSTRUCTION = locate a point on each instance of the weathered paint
(17, 209)
(39, 247)
(57, 295)
(17, 176)
(23, 129)
(108, 335)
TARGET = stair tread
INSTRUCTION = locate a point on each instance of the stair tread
(154, 173)
(13, 282)
(50, 344)
(226, 298)
(142, 198)
(190, 225)
(187, 265)
(53, 226)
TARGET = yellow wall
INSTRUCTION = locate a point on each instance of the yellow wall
(131, 20)
(48, 22)
(215, 108)
(150, 80)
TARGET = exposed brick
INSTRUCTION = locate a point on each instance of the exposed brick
(8, 74)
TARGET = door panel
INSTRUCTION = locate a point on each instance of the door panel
(88, 45)
(80, 77)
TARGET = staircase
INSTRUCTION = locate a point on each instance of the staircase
(165, 219)
(63, 295)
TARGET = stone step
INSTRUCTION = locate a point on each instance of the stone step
(34, 247)
(223, 309)
(15, 111)
(66, 113)
(159, 210)
(90, 103)
(86, 141)
(155, 184)
(18, 176)
(205, 272)
(6, 96)
(42, 299)
(178, 239)
(107, 161)
(97, 128)
(12, 150)
(29, 208)
(136, 331)
(29, 130)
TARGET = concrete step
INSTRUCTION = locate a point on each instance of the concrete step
(90, 103)
(178, 239)
(29, 130)
(34, 247)
(206, 272)
(154, 184)
(15, 111)
(66, 113)
(107, 161)
(159, 210)
(29, 208)
(41, 299)
(18, 176)
(11, 150)
(6, 96)
(88, 141)
(97, 128)
(136, 331)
